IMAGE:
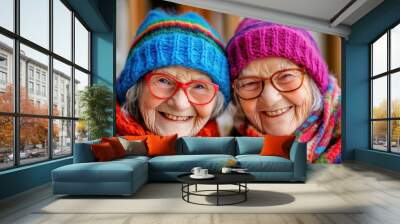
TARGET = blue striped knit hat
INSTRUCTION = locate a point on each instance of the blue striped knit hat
(186, 40)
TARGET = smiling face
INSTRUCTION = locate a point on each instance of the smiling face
(175, 114)
(274, 112)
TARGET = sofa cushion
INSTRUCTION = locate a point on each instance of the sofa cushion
(161, 145)
(257, 163)
(83, 152)
(207, 145)
(112, 171)
(104, 152)
(118, 177)
(277, 145)
(116, 145)
(133, 147)
(185, 163)
(249, 145)
(129, 159)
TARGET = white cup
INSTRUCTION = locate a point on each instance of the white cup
(196, 170)
(226, 170)
(203, 172)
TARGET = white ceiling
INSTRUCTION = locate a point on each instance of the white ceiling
(321, 9)
(325, 16)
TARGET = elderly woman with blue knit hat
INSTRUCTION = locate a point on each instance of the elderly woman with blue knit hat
(175, 80)
(282, 87)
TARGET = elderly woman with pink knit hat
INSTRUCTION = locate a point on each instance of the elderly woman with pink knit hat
(282, 86)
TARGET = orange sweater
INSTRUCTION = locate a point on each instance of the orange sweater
(127, 125)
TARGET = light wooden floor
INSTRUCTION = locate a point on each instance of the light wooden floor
(378, 188)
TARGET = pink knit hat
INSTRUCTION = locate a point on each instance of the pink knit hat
(256, 39)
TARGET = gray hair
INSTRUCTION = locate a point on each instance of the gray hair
(131, 105)
(317, 103)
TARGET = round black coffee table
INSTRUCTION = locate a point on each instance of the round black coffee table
(238, 179)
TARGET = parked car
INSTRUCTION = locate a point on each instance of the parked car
(22, 155)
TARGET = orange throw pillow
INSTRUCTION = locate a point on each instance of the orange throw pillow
(161, 145)
(103, 152)
(277, 145)
(116, 145)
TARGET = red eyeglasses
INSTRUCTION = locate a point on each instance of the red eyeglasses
(164, 86)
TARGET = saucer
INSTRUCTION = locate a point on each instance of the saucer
(208, 176)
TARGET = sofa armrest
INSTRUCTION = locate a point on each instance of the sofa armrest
(83, 152)
(298, 155)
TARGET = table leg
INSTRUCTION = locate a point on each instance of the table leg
(196, 188)
(245, 193)
(188, 189)
(217, 194)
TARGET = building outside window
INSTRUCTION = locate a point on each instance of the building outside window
(385, 94)
(3, 78)
(44, 77)
(43, 90)
(3, 71)
(37, 75)
(30, 72)
(3, 61)
(57, 124)
(38, 89)
(30, 87)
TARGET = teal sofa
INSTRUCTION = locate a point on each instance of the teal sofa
(125, 176)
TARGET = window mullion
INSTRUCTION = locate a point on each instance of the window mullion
(371, 142)
(73, 83)
(389, 113)
(50, 79)
(16, 69)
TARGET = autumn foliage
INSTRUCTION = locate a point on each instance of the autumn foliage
(33, 131)
(380, 127)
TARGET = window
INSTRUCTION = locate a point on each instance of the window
(44, 91)
(3, 61)
(30, 72)
(39, 81)
(38, 89)
(37, 75)
(385, 96)
(30, 87)
(3, 71)
(3, 78)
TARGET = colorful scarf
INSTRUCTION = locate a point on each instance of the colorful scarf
(127, 125)
(321, 130)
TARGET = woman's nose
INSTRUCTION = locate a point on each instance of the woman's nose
(270, 95)
(179, 100)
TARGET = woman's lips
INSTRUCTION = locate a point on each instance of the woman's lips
(276, 113)
(174, 117)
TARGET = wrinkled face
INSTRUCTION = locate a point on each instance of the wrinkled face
(274, 112)
(175, 114)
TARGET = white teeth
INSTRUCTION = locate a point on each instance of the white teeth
(277, 112)
(176, 118)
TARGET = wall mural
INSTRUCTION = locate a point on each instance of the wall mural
(181, 77)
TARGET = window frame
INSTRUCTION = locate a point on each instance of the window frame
(16, 115)
(388, 74)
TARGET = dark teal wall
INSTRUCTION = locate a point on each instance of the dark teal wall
(356, 85)
(24, 178)
(99, 16)
(103, 53)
